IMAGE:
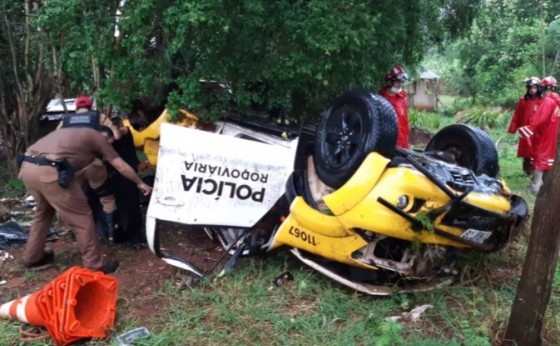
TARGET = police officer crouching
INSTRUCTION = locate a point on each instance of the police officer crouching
(52, 170)
(96, 174)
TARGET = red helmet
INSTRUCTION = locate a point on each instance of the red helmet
(531, 81)
(549, 83)
(83, 102)
(397, 73)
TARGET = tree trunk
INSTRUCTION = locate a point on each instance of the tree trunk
(533, 291)
(25, 86)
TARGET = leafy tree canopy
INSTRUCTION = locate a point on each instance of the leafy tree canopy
(294, 55)
(509, 41)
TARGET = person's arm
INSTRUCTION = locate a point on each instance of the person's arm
(540, 118)
(104, 120)
(100, 145)
(519, 110)
(123, 168)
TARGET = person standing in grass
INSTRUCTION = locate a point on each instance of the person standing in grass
(394, 93)
(543, 133)
(523, 116)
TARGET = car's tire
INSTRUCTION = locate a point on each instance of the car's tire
(358, 123)
(470, 146)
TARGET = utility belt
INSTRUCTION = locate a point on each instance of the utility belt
(64, 168)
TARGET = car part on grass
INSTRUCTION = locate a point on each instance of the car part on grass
(283, 278)
(373, 217)
(128, 338)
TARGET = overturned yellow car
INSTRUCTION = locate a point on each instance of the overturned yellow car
(340, 196)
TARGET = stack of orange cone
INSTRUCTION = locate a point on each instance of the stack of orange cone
(78, 304)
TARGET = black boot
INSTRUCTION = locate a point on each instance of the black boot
(111, 225)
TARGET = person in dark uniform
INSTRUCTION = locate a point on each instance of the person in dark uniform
(46, 170)
(129, 220)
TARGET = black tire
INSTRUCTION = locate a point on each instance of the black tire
(470, 146)
(358, 123)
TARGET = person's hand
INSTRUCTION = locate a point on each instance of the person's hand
(525, 131)
(144, 165)
(144, 188)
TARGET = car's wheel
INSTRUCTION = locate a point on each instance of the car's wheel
(358, 123)
(469, 146)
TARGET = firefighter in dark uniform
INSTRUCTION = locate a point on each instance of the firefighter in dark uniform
(52, 171)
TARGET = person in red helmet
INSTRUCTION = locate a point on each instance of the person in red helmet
(523, 116)
(394, 93)
(543, 133)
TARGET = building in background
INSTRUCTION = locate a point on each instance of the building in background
(424, 91)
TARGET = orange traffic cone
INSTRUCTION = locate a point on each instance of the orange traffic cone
(23, 309)
(78, 304)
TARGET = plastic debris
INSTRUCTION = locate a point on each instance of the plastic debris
(127, 339)
(30, 202)
(412, 316)
(12, 232)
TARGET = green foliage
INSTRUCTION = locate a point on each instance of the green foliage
(10, 187)
(485, 118)
(288, 56)
(503, 47)
(16, 184)
(452, 107)
(430, 122)
(426, 222)
(390, 334)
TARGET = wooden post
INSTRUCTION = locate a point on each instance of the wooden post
(533, 291)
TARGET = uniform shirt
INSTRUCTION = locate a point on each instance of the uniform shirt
(401, 108)
(545, 129)
(523, 116)
(79, 145)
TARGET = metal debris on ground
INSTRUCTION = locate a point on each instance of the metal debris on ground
(283, 279)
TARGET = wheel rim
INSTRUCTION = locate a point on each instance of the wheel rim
(344, 134)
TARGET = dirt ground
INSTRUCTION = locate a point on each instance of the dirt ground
(140, 276)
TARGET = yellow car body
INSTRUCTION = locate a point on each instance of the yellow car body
(147, 139)
(356, 206)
